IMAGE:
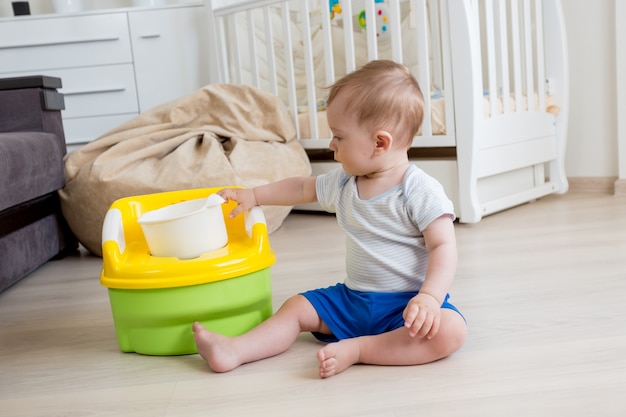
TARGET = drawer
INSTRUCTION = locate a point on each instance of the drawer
(62, 42)
(92, 91)
(85, 129)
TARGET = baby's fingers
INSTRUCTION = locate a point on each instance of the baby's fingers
(427, 326)
(414, 318)
(409, 314)
(227, 194)
(430, 326)
(230, 194)
(236, 211)
(434, 328)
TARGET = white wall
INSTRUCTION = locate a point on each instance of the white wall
(592, 144)
(620, 45)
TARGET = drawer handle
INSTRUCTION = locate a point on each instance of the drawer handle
(94, 91)
(150, 36)
(61, 42)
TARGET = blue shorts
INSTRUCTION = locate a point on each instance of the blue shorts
(349, 313)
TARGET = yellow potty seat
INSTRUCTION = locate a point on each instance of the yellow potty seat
(155, 300)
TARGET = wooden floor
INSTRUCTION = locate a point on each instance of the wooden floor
(543, 287)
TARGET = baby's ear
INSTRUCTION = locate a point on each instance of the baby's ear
(384, 140)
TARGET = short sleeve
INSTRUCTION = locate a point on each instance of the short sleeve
(328, 186)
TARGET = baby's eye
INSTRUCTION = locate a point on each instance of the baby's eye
(335, 137)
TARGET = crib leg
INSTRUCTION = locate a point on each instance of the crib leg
(557, 166)
(469, 205)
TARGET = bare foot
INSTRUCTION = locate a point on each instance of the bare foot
(215, 349)
(337, 357)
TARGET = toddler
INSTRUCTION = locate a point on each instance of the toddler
(393, 307)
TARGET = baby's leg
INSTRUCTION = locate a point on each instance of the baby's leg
(394, 348)
(275, 335)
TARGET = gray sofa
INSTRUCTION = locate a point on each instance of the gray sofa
(32, 147)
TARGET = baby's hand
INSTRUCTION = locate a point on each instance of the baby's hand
(422, 315)
(244, 197)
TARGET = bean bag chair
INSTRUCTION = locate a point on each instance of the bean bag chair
(220, 135)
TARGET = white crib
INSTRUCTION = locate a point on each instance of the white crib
(494, 74)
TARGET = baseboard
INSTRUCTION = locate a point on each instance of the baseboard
(602, 185)
(620, 187)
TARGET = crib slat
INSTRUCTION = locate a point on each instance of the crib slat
(423, 66)
(476, 10)
(476, 28)
(252, 49)
(308, 67)
(235, 50)
(289, 69)
(370, 30)
(541, 77)
(271, 57)
(491, 58)
(348, 36)
(327, 45)
(394, 31)
(504, 58)
(446, 86)
(224, 74)
(436, 52)
(528, 45)
(517, 60)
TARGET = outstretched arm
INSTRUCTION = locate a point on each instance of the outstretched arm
(287, 192)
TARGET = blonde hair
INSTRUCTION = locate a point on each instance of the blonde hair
(384, 95)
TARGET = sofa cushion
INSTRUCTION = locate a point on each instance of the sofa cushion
(31, 165)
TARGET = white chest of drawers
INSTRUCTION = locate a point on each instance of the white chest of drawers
(113, 64)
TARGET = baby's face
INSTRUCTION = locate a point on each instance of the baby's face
(352, 143)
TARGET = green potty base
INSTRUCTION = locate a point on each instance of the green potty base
(158, 321)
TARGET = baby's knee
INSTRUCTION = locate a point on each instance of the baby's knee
(458, 337)
(452, 334)
(298, 305)
(295, 301)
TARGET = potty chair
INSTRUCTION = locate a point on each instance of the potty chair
(156, 299)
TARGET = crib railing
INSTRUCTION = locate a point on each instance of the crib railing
(507, 68)
(513, 50)
(295, 49)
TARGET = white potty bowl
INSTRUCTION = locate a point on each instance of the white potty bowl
(185, 230)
